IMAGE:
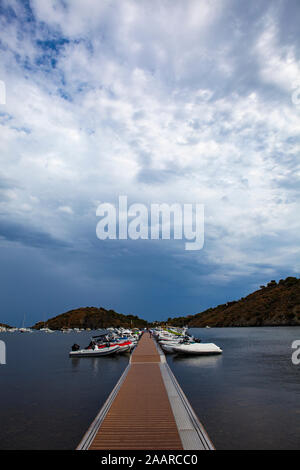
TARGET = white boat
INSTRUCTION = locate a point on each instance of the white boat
(167, 338)
(109, 341)
(171, 341)
(168, 347)
(97, 351)
(23, 329)
(197, 349)
(124, 346)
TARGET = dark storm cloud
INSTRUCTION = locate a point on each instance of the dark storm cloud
(164, 101)
(29, 236)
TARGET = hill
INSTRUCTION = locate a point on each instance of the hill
(3, 325)
(91, 317)
(277, 304)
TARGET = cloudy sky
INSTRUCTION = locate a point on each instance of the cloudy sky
(169, 101)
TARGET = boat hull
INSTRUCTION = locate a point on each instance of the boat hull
(94, 352)
(168, 348)
(208, 349)
(123, 349)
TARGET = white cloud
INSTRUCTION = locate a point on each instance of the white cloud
(128, 116)
(279, 64)
(66, 209)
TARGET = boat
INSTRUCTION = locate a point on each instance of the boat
(168, 347)
(197, 349)
(94, 351)
(166, 337)
(179, 340)
(23, 329)
(125, 343)
(109, 341)
(124, 346)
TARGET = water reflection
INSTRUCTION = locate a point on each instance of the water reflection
(247, 396)
(75, 361)
(40, 409)
(244, 398)
(198, 361)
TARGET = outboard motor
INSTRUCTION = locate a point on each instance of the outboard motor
(75, 347)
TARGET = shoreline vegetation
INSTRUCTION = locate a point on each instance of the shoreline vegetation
(276, 304)
(91, 318)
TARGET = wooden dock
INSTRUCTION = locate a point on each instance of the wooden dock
(147, 409)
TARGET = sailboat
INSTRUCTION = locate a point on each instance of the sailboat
(46, 329)
(23, 329)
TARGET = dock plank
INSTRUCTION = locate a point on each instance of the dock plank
(140, 416)
(147, 409)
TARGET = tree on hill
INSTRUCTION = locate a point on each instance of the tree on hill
(93, 318)
(276, 304)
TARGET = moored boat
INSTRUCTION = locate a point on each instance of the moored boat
(94, 351)
(204, 349)
(109, 341)
(168, 347)
(124, 346)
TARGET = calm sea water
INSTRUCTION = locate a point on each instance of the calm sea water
(248, 398)
(48, 400)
